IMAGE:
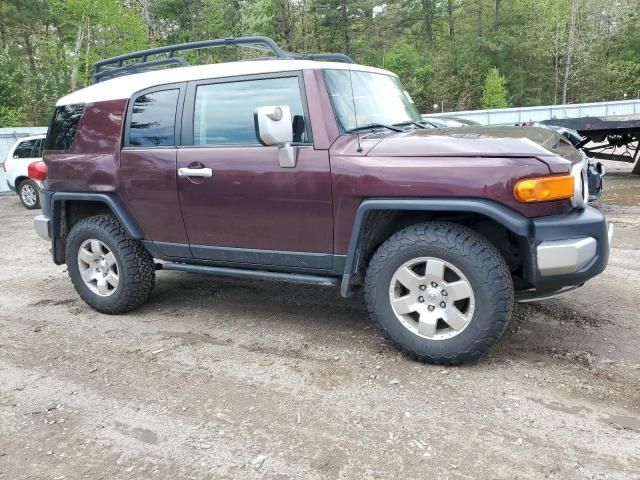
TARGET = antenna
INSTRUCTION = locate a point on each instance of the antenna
(355, 112)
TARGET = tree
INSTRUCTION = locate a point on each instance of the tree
(494, 93)
(550, 50)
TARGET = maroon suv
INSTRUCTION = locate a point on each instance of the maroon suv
(312, 169)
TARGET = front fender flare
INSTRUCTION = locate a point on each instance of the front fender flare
(511, 220)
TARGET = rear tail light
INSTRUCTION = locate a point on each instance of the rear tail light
(37, 171)
(544, 189)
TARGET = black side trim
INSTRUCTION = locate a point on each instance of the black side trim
(511, 220)
(294, 262)
(253, 274)
(119, 210)
(168, 250)
(317, 261)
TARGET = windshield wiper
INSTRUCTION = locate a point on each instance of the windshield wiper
(375, 125)
(406, 124)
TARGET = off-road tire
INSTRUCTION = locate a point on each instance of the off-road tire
(481, 263)
(136, 266)
(26, 184)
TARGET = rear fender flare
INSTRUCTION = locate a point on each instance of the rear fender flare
(120, 212)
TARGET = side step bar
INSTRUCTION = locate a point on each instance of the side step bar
(252, 274)
(527, 296)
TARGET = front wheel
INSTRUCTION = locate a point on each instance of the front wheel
(29, 194)
(439, 292)
(111, 272)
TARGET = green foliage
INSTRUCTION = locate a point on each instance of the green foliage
(10, 116)
(494, 92)
(444, 51)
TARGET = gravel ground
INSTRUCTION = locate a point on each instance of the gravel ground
(235, 379)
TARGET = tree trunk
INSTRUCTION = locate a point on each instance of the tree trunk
(345, 26)
(29, 47)
(452, 31)
(497, 17)
(76, 58)
(146, 16)
(427, 10)
(570, 47)
(283, 23)
(479, 18)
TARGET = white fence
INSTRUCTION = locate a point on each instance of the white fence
(8, 137)
(510, 116)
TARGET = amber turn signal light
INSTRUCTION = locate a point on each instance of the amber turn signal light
(544, 189)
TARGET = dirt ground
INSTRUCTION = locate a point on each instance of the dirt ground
(218, 378)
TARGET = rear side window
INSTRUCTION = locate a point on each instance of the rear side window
(37, 148)
(63, 127)
(223, 113)
(153, 119)
(24, 149)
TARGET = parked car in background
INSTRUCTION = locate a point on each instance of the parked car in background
(25, 151)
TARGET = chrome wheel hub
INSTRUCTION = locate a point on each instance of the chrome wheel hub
(28, 194)
(432, 298)
(98, 267)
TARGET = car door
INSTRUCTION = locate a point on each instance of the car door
(248, 209)
(148, 166)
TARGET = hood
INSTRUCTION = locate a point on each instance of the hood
(478, 141)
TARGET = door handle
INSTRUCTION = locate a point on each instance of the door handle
(195, 172)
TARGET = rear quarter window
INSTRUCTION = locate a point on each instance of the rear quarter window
(24, 149)
(63, 127)
(153, 119)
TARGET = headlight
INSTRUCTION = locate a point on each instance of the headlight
(581, 183)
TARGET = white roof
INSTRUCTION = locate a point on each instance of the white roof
(32, 137)
(127, 85)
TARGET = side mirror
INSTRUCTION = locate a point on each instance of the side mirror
(274, 126)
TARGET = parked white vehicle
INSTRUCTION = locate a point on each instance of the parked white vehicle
(25, 151)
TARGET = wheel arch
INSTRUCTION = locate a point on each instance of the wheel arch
(376, 219)
(67, 208)
(18, 180)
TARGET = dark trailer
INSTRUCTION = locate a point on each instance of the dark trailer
(607, 136)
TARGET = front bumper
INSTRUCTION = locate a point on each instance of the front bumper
(570, 249)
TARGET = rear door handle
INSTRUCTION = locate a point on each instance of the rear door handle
(195, 172)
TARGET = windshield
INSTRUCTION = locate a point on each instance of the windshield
(378, 98)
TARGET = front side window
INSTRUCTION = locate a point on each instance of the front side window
(24, 149)
(367, 98)
(63, 127)
(223, 112)
(153, 119)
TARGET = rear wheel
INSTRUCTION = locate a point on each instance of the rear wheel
(439, 292)
(111, 272)
(29, 194)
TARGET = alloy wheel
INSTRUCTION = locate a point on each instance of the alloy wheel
(28, 195)
(98, 267)
(432, 298)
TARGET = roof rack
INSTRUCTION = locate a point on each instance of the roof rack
(139, 61)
